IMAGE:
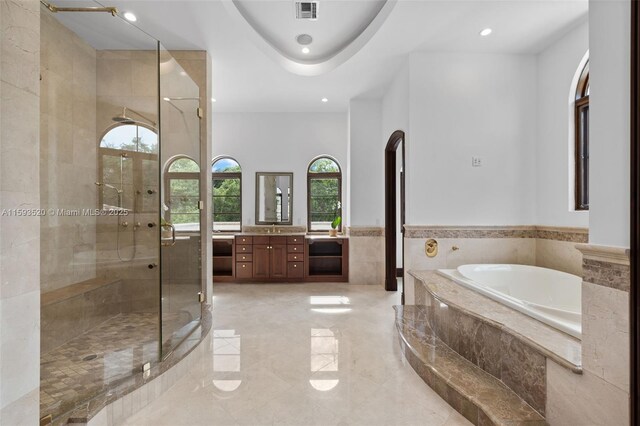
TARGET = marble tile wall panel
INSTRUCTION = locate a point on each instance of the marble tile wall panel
(606, 274)
(366, 260)
(583, 399)
(559, 255)
(67, 151)
(605, 333)
(19, 188)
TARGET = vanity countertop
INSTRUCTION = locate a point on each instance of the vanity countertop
(217, 236)
(220, 236)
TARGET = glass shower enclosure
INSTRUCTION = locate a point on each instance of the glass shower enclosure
(120, 190)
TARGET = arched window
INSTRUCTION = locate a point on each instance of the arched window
(182, 193)
(227, 194)
(324, 194)
(582, 141)
(127, 155)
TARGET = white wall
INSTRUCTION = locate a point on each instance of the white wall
(464, 105)
(366, 163)
(609, 43)
(279, 142)
(557, 67)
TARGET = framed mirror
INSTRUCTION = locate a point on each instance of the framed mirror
(274, 198)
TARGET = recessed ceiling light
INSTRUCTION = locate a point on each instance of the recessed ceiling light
(129, 16)
(305, 50)
(213, 100)
(486, 32)
(304, 39)
(325, 100)
(183, 73)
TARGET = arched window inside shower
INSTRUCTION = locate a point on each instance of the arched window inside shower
(226, 175)
(128, 154)
(182, 193)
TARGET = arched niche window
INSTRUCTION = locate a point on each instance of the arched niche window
(182, 193)
(128, 155)
(582, 141)
(226, 174)
(324, 194)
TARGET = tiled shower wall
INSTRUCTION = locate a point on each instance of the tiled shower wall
(19, 188)
(67, 155)
(127, 78)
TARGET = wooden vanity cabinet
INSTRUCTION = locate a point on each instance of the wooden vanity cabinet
(265, 258)
(292, 258)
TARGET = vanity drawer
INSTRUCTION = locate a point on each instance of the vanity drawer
(260, 240)
(295, 240)
(295, 270)
(244, 269)
(244, 248)
(278, 240)
(295, 257)
(296, 248)
(241, 257)
(244, 240)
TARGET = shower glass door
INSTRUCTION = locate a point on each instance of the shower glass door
(180, 190)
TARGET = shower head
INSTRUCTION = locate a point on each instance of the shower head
(125, 119)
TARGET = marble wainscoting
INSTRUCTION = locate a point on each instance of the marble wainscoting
(550, 247)
(600, 396)
(19, 189)
(366, 255)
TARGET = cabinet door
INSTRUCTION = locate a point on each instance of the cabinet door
(279, 261)
(261, 261)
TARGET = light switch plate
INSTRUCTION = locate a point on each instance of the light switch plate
(476, 162)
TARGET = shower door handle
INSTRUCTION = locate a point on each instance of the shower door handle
(173, 235)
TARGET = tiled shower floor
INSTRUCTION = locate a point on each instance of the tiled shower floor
(120, 345)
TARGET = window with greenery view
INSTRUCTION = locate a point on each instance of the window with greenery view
(582, 141)
(324, 195)
(128, 156)
(182, 194)
(227, 194)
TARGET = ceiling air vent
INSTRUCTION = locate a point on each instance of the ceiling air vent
(307, 10)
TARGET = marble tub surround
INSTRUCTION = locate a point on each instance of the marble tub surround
(539, 339)
(479, 396)
(545, 246)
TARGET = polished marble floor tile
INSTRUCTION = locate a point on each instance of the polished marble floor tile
(312, 354)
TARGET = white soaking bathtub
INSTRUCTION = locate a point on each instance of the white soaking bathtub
(550, 296)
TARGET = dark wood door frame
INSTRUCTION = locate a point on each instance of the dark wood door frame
(634, 297)
(390, 209)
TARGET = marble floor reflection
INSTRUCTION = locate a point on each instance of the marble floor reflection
(312, 354)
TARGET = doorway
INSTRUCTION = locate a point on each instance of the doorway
(394, 209)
